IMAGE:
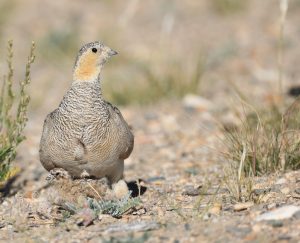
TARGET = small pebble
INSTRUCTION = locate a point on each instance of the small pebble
(271, 206)
(259, 192)
(242, 206)
(191, 190)
(276, 223)
(140, 211)
(280, 181)
(239, 231)
(191, 171)
(284, 237)
(216, 209)
(297, 215)
(187, 227)
(297, 196)
(285, 190)
(206, 217)
(155, 178)
(191, 101)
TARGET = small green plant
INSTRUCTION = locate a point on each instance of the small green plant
(13, 110)
(114, 207)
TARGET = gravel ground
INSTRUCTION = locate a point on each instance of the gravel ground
(183, 198)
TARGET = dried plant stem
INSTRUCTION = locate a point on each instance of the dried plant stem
(93, 188)
(280, 62)
(283, 10)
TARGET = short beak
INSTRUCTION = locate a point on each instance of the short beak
(112, 53)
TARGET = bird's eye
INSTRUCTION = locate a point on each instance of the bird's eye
(94, 50)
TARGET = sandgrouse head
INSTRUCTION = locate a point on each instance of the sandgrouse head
(90, 59)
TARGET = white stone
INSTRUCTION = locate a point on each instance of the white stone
(284, 212)
(196, 102)
(280, 181)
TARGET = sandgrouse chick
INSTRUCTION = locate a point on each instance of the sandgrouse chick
(86, 135)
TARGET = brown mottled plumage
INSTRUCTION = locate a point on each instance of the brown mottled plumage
(86, 135)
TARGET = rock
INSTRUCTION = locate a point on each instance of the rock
(106, 218)
(297, 190)
(151, 116)
(259, 192)
(297, 196)
(110, 227)
(206, 217)
(133, 227)
(216, 209)
(284, 212)
(267, 197)
(285, 190)
(140, 211)
(276, 223)
(195, 102)
(284, 238)
(191, 190)
(297, 215)
(238, 231)
(187, 227)
(191, 171)
(280, 181)
(155, 179)
(242, 206)
(271, 206)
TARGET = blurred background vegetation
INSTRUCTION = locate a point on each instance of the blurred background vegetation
(167, 48)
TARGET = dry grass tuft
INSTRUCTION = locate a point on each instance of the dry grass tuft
(267, 141)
